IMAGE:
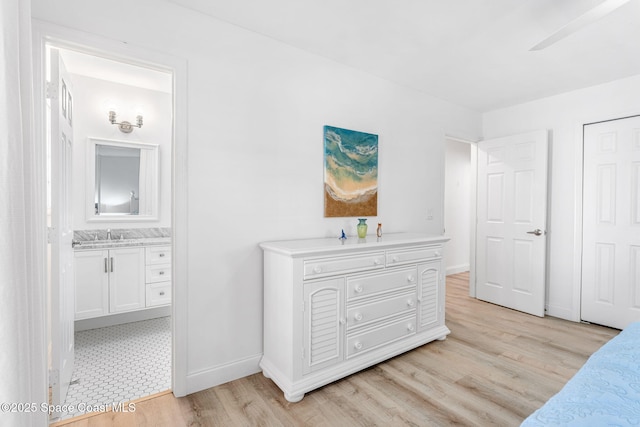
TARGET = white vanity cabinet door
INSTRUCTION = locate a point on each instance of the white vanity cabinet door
(126, 281)
(324, 324)
(430, 295)
(91, 284)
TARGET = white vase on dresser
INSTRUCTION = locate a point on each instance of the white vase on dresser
(333, 307)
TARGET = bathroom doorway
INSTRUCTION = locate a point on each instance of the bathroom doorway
(124, 333)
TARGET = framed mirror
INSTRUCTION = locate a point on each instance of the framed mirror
(122, 181)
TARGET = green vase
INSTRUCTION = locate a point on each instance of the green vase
(362, 228)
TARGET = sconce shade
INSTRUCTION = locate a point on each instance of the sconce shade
(124, 126)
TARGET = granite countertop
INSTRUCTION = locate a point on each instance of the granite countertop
(120, 243)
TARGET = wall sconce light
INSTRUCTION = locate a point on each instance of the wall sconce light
(125, 126)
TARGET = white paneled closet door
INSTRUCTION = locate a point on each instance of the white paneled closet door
(611, 223)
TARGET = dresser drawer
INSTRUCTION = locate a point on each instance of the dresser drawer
(158, 273)
(158, 294)
(321, 267)
(394, 280)
(158, 255)
(404, 256)
(360, 315)
(376, 337)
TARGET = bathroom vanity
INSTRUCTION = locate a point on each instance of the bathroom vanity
(121, 276)
(333, 307)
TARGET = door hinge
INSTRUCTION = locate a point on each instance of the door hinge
(51, 90)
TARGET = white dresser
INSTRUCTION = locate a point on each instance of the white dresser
(333, 307)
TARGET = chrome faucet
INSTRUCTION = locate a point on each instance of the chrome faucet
(108, 234)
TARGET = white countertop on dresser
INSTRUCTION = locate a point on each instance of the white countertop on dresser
(305, 247)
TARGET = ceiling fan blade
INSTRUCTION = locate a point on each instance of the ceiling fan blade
(587, 18)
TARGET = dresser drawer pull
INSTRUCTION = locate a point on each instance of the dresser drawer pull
(161, 255)
(357, 316)
(410, 327)
(358, 288)
(395, 259)
(410, 302)
(411, 279)
(437, 253)
(162, 293)
(161, 273)
(357, 345)
(377, 261)
(317, 269)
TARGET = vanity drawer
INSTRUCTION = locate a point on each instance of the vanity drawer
(373, 338)
(158, 255)
(158, 294)
(158, 273)
(404, 256)
(359, 315)
(365, 286)
(321, 267)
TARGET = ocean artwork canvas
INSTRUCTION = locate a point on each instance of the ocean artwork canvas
(350, 173)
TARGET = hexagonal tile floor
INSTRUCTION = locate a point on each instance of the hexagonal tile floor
(119, 364)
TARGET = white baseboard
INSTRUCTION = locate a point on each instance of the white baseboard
(455, 269)
(217, 375)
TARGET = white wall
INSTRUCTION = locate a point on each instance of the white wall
(256, 109)
(457, 205)
(563, 116)
(91, 120)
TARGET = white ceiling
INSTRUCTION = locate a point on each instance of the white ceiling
(474, 53)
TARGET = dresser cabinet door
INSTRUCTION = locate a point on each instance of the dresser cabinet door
(429, 309)
(323, 324)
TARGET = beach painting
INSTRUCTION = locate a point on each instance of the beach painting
(350, 173)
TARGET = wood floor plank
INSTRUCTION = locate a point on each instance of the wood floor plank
(495, 368)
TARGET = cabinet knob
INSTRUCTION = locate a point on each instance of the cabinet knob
(358, 288)
(395, 259)
(410, 327)
(162, 293)
(437, 253)
(161, 255)
(161, 273)
(317, 269)
(342, 320)
(410, 302)
(358, 316)
(410, 278)
(357, 345)
(376, 261)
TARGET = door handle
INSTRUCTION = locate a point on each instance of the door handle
(537, 232)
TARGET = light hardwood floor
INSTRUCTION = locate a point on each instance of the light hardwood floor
(496, 367)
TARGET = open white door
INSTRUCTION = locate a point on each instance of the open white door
(611, 223)
(61, 233)
(511, 225)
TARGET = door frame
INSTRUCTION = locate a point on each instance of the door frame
(46, 33)
(473, 190)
